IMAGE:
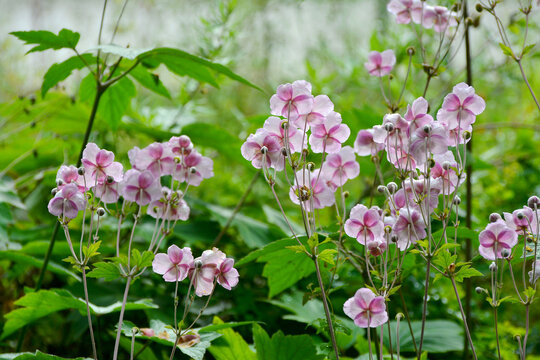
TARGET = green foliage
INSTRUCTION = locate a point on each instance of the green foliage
(231, 345)
(61, 71)
(283, 347)
(47, 40)
(38, 355)
(105, 270)
(27, 260)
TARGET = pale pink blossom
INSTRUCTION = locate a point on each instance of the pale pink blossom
(409, 228)
(419, 199)
(364, 144)
(438, 17)
(523, 220)
(322, 106)
(227, 275)
(400, 158)
(340, 167)
(141, 187)
(431, 139)
(108, 191)
(380, 64)
(365, 225)
(157, 158)
(204, 271)
(68, 175)
(366, 309)
(496, 237)
(292, 100)
(376, 247)
(402, 9)
(313, 194)
(445, 170)
(67, 202)
(181, 145)
(417, 115)
(261, 149)
(175, 265)
(460, 107)
(392, 132)
(99, 164)
(194, 168)
(273, 125)
(171, 206)
(328, 136)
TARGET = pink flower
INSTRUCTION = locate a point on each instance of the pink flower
(340, 167)
(171, 206)
(522, 220)
(417, 115)
(445, 170)
(263, 148)
(431, 139)
(98, 164)
(420, 187)
(157, 158)
(328, 136)
(273, 126)
(366, 309)
(312, 193)
(402, 9)
(322, 106)
(438, 17)
(364, 144)
(181, 145)
(497, 235)
(108, 191)
(393, 131)
(204, 271)
(67, 202)
(67, 175)
(292, 100)
(409, 228)
(380, 64)
(194, 168)
(175, 265)
(376, 247)
(460, 107)
(227, 275)
(365, 225)
(141, 187)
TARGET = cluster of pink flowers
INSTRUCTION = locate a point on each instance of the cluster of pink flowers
(302, 121)
(141, 184)
(212, 266)
(501, 234)
(437, 17)
(418, 146)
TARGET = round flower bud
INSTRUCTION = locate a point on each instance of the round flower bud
(345, 194)
(109, 179)
(520, 215)
(100, 211)
(479, 7)
(264, 150)
(388, 229)
(427, 129)
(394, 239)
(390, 77)
(54, 191)
(457, 200)
(193, 170)
(389, 127)
(505, 253)
(197, 264)
(392, 187)
(381, 188)
(534, 202)
(80, 171)
(466, 135)
(285, 124)
(494, 217)
(59, 182)
(493, 267)
(310, 166)
(410, 51)
(284, 152)
(431, 163)
(446, 165)
(479, 290)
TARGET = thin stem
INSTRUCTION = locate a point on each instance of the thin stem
(368, 330)
(464, 318)
(131, 353)
(85, 286)
(408, 321)
(527, 83)
(496, 324)
(424, 309)
(526, 331)
(121, 319)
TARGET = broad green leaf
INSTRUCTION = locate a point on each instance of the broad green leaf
(149, 81)
(228, 325)
(20, 258)
(506, 50)
(212, 136)
(142, 304)
(182, 63)
(92, 250)
(270, 248)
(48, 40)
(106, 271)
(283, 347)
(8, 194)
(466, 271)
(38, 355)
(444, 259)
(275, 217)
(527, 49)
(230, 346)
(61, 71)
(442, 336)
(327, 256)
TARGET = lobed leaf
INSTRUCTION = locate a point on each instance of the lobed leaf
(47, 40)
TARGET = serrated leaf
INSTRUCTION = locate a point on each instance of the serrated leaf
(106, 271)
(297, 248)
(230, 346)
(327, 256)
(61, 71)
(47, 40)
(527, 49)
(91, 250)
(149, 80)
(443, 336)
(466, 271)
(506, 50)
(444, 259)
(283, 347)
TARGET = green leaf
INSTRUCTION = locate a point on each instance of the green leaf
(444, 259)
(149, 81)
(48, 40)
(231, 346)
(527, 49)
(283, 347)
(38, 355)
(61, 71)
(20, 258)
(128, 53)
(466, 271)
(297, 248)
(442, 336)
(9, 195)
(182, 63)
(327, 255)
(106, 271)
(228, 325)
(506, 50)
(91, 250)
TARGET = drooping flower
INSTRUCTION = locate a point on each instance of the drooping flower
(365, 225)
(292, 100)
(98, 164)
(67, 175)
(431, 139)
(522, 220)
(194, 168)
(366, 309)
(181, 145)
(141, 187)
(204, 270)
(364, 144)
(262, 147)
(108, 191)
(409, 228)
(438, 17)
(67, 202)
(460, 107)
(499, 236)
(380, 64)
(171, 206)
(340, 167)
(311, 190)
(157, 158)
(322, 106)
(175, 265)
(273, 125)
(403, 9)
(328, 136)
(445, 170)
(376, 247)
(227, 275)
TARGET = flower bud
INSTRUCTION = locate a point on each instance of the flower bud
(310, 166)
(427, 129)
(197, 264)
(533, 202)
(389, 127)
(479, 7)
(54, 191)
(381, 188)
(399, 316)
(410, 50)
(264, 150)
(494, 217)
(81, 171)
(394, 239)
(388, 229)
(345, 194)
(193, 170)
(59, 182)
(431, 163)
(390, 77)
(284, 152)
(505, 253)
(284, 124)
(457, 200)
(520, 215)
(305, 152)
(109, 179)
(100, 211)
(466, 135)
(479, 290)
(493, 267)
(392, 187)
(446, 165)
